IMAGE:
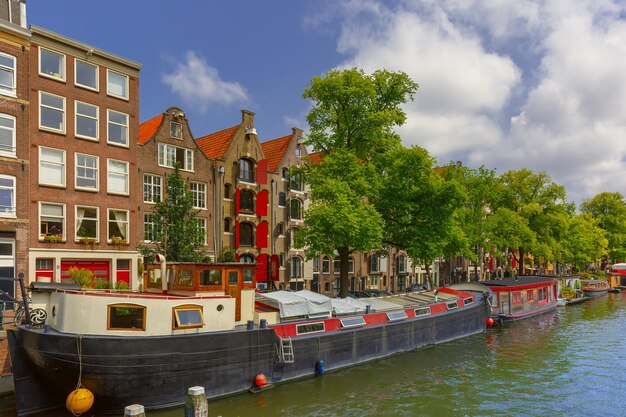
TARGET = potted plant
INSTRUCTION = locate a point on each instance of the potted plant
(88, 241)
(53, 235)
(118, 241)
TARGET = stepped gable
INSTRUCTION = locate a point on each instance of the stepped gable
(274, 150)
(148, 128)
(214, 145)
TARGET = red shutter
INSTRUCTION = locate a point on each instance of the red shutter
(237, 233)
(237, 200)
(261, 268)
(274, 267)
(261, 203)
(261, 235)
(237, 257)
(261, 172)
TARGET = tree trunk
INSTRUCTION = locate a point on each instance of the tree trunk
(344, 283)
(520, 269)
(428, 276)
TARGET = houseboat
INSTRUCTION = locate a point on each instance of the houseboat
(206, 325)
(521, 297)
(595, 287)
(569, 290)
(616, 276)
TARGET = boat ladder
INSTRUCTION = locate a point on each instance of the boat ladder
(285, 354)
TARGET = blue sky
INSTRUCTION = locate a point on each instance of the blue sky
(505, 84)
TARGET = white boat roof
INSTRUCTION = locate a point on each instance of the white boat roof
(348, 306)
(290, 304)
(319, 303)
(381, 305)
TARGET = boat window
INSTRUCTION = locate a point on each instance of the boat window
(352, 322)
(185, 277)
(424, 311)
(154, 278)
(210, 277)
(248, 276)
(530, 295)
(126, 317)
(396, 315)
(187, 316)
(468, 301)
(233, 278)
(542, 294)
(310, 328)
(451, 305)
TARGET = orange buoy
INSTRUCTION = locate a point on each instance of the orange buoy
(490, 322)
(260, 380)
(79, 401)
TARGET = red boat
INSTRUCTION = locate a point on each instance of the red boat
(595, 287)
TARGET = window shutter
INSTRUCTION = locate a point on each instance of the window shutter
(261, 203)
(237, 233)
(237, 201)
(261, 172)
(262, 266)
(261, 235)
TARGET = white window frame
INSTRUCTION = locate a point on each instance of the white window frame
(62, 60)
(96, 169)
(97, 72)
(109, 122)
(167, 157)
(119, 174)
(97, 220)
(12, 151)
(9, 90)
(152, 187)
(86, 116)
(112, 94)
(198, 191)
(11, 212)
(201, 224)
(148, 225)
(63, 218)
(42, 179)
(125, 223)
(178, 129)
(51, 129)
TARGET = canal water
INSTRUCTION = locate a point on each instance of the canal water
(571, 362)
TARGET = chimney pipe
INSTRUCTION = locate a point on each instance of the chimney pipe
(23, 14)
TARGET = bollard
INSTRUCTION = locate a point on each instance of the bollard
(135, 410)
(250, 325)
(196, 404)
(263, 324)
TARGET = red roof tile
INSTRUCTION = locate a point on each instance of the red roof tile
(148, 128)
(215, 144)
(316, 158)
(274, 150)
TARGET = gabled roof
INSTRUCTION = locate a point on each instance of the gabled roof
(274, 150)
(148, 128)
(215, 144)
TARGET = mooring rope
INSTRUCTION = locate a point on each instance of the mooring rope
(79, 384)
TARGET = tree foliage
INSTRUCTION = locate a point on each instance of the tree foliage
(609, 209)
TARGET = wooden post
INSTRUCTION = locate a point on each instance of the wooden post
(196, 404)
(134, 410)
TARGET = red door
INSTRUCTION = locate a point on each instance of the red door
(101, 270)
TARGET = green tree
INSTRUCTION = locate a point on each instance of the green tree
(584, 243)
(609, 209)
(176, 233)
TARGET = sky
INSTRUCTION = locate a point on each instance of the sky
(504, 84)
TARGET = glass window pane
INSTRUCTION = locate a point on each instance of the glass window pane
(86, 74)
(52, 63)
(117, 84)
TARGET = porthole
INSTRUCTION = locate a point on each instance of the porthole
(220, 307)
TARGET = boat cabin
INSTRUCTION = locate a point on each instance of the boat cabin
(616, 276)
(521, 296)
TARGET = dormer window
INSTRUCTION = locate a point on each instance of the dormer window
(176, 130)
(298, 151)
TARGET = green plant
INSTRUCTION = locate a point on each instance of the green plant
(568, 292)
(82, 277)
(102, 284)
(118, 241)
(121, 286)
(53, 238)
(88, 241)
(227, 255)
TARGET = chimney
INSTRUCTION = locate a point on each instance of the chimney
(23, 14)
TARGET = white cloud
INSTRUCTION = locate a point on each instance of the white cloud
(199, 84)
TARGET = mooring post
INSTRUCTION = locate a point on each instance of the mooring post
(196, 404)
(135, 410)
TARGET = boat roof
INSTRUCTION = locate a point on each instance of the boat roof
(518, 281)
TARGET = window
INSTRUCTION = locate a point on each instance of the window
(51, 112)
(374, 263)
(336, 265)
(530, 295)
(227, 192)
(117, 84)
(517, 297)
(295, 209)
(117, 128)
(7, 134)
(201, 226)
(117, 177)
(422, 311)
(295, 183)
(86, 75)
(246, 170)
(210, 277)
(282, 199)
(325, 265)
(295, 270)
(352, 322)
(542, 294)
(187, 317)
(7, 74)
(401, 264)
(118, 224)
(467, 301)
(86, 172)
(246, 204)
(298, 151)
(169, 155)
(51, 220)
(198, 191)
(152, 188)
(281, 259)
(149, 227)
(316, 264)
(280, 229)
(51, 64)
(86, 222)
(310, 328)
(176, 130)
(327, 287)
(351, 265)
(451, 305)
(7, 196)
(396, 315)
(86, 120)
(246, 234)
(246, 259)
(285, 173)
(51, 167)
(126, 317)
(292, 238)
(248, 276)
(227, 223)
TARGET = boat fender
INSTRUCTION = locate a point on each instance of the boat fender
(490, 322)
(260, 380)
(79, 401)
(319, 366)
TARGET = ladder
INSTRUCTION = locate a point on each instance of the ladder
(285, 354)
